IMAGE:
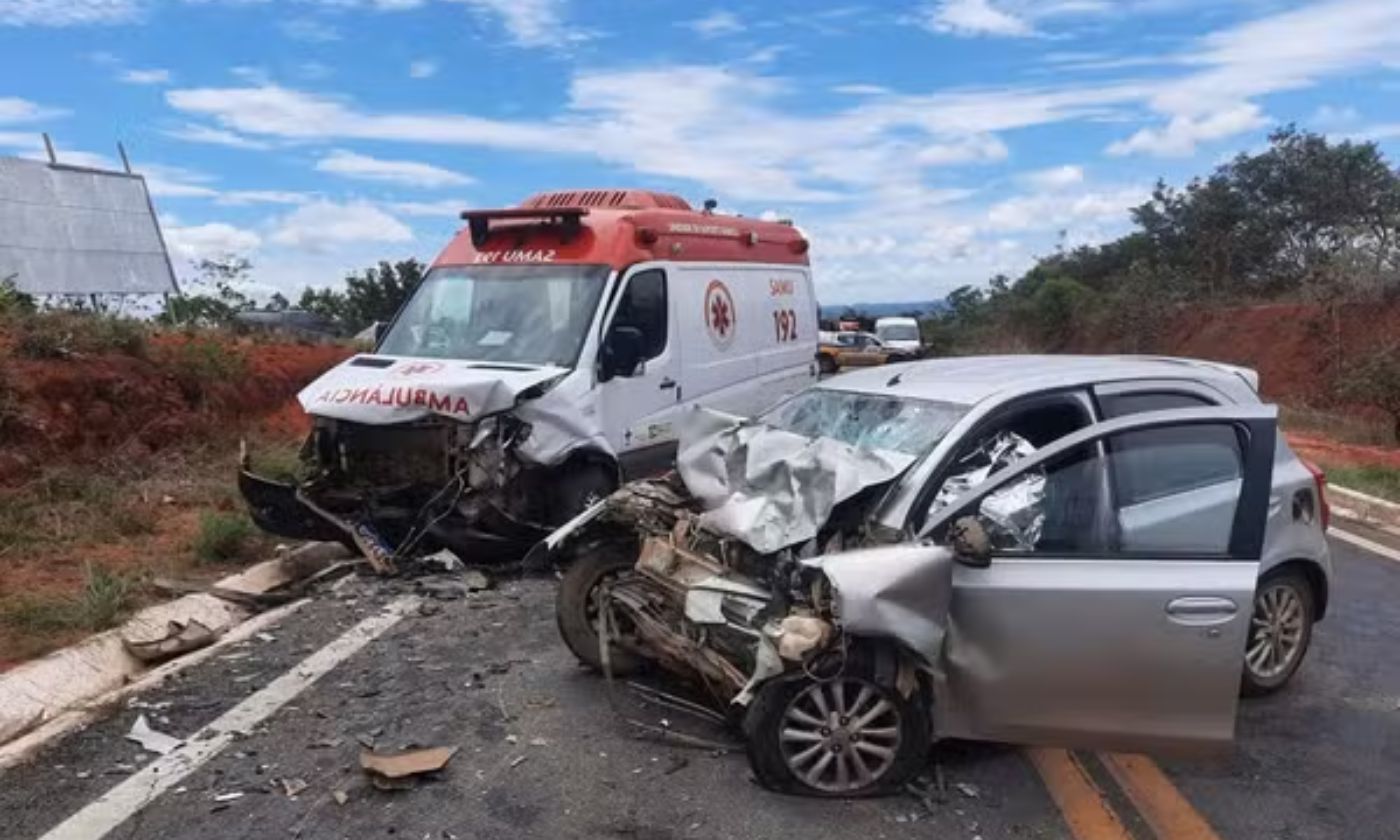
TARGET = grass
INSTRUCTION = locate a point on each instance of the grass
(222, 536)
(102, 602)
(198, 363)
(1373, 479)
(1338, 426)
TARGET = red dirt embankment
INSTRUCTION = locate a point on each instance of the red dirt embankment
(180, 391)
(1296, 348)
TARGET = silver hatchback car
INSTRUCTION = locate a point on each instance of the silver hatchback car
(1086, 551)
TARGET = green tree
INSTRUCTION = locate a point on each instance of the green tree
(373, 294)
(211, 299)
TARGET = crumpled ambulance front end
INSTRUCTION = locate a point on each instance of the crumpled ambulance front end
(409, 454)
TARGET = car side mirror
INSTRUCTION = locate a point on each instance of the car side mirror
(379, 327)
(622, 353)
(970, 543)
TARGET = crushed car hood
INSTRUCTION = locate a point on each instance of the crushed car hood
(769, 488)
(381, 390)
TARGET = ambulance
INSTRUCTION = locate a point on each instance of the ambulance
(547, 357)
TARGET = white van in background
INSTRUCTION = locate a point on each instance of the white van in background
(547, 357)
(900, 334)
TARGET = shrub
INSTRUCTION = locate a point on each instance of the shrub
(1375, 381)
(62, 335)
(105, 596)
(198, 363)
(222, 536)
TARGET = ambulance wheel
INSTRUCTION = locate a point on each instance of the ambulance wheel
(578, 602)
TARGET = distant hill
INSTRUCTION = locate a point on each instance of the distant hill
(880, 310)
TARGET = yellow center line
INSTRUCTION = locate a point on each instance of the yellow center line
(1165, 810)
(1081, 803)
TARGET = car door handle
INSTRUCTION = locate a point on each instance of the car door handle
(1199, 610)
(668, 383)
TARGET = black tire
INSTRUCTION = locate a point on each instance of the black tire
(579, 487)
(574, 610)
(1280, 584)
(826, 364)
(769, 753)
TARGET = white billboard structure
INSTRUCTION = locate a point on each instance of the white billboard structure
(73, 230)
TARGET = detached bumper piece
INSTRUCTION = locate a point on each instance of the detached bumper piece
(275, 508)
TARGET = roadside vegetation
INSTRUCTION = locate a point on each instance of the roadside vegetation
(1374, 479)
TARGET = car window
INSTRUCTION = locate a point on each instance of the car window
(643, 306)
(1153, 463)
(1122, 405)
(1165, 491)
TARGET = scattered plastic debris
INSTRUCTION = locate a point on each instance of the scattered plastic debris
(340, 797)
(151, 740)
(968, 789)
(179, 638)
(291, 787)
(518, 760)
(401, 770)
(229, 797)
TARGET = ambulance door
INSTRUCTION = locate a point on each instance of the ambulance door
(639, 405)
(720, 329)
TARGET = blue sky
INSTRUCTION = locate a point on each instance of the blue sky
(922, 145)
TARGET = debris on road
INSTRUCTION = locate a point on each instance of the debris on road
(229, 797)
(180, 637)
(400, 771)
(968, 789)
(518, 760)
(151, 740)
(340, 797)
(291, 787)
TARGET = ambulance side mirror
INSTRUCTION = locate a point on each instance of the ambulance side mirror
(622, 353)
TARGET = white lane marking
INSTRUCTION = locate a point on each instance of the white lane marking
(1361, 542)
(120, 803)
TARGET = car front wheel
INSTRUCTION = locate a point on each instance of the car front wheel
(843, 736)
(1280, 629)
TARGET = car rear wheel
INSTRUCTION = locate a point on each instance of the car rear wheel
(826, 364)
(578, 601)
(1280, 629)
(843, 736)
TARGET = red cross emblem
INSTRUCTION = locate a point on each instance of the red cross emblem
(720, 316)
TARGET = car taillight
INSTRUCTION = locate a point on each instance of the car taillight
(1320, 481)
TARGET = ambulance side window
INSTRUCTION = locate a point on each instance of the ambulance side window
(643, 306)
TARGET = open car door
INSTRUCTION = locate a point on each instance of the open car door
(1114, 609)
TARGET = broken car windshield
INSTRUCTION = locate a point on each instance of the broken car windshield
(869, 420)
(528, 314)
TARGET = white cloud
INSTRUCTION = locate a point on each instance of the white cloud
(407, 172)
(448, 208)
(322, 225)
(242, 197)
(422, 69)
(717, 23)
(980, 148)
(153, 76)
(68, 12)
(216, 136)
(310, 30)
(530, 23)
(860, 90)
(213, 239)
(975, 17)
(1056, 177)
(14, 110)
(1053, 210)
(1180, 136)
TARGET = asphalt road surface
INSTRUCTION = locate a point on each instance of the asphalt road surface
(275, 725)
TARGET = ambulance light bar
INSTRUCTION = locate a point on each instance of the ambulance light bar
(480, 220)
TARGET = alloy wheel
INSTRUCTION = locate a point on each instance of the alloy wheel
(1275, 631)
(840, 735)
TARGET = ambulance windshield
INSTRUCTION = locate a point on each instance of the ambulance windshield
(526, 314)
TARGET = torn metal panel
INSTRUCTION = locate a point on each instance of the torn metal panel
(771, 488)
(898, 592)
(561, 423)
(995, 454)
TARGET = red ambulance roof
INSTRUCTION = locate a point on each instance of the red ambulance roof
(618, 228)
